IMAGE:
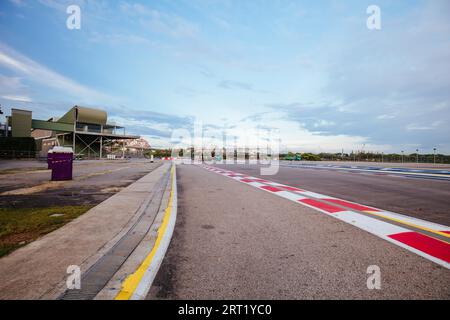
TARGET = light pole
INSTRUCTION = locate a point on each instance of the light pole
(1, 124)
(402, 155)
(417, 156)
(434, 155)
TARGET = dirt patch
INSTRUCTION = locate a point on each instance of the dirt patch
(55, 184)
(20, 170)
(48, 204)
(111, 190)
(35, 189)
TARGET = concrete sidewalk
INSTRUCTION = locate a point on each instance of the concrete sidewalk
(38, 270)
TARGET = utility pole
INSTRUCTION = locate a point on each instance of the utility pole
(417, 156)
(5, 127)
(74, 137)
(364, 145)
(402, 155)
(434, 156)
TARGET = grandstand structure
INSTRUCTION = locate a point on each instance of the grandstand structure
(86, 130)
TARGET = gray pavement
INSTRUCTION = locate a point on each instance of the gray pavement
(22, 164)
(94, 182)
(233, 241)
(420, 198)
(412, 165)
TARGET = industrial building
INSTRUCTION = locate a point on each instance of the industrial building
(86, 130)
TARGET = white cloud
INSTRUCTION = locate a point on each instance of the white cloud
(295, 137)
(119, 39)
(17, 98)
(60, 6)
(160, 22)
(37, 73)
(385, 116)
(323, 123)
(416, 127)
(10, 84)
(18, 3)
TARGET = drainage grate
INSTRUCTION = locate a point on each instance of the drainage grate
(96, 278)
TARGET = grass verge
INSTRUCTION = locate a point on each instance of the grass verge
(19, 226)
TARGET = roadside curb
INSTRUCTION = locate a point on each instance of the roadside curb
(142, 199)
(137, 285)
(39, 269)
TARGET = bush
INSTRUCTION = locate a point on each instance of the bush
(310, 157)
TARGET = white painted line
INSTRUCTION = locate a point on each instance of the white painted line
(315, 195)
(368, 171)
(137, 285)
(147, 280)
(374, 226)
(290, 196)
(379, 228)
(255, 184)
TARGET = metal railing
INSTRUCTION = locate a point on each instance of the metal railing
(98, 129)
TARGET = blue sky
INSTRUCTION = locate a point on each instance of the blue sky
(309, 69)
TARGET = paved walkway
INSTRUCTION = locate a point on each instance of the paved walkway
(38, 270)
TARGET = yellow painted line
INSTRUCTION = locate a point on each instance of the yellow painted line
(409, 224)
(132, 281)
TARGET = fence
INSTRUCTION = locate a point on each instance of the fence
(391, 158)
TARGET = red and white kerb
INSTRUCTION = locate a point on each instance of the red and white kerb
(428, 247)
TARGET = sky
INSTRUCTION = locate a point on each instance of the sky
(309, 72)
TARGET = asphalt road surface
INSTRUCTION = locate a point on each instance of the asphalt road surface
(421, 198)
(233, 241)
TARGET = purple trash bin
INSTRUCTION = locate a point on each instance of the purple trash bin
(49, 159)
(61, 164)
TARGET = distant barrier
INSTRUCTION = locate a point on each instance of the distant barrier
(17, 154)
